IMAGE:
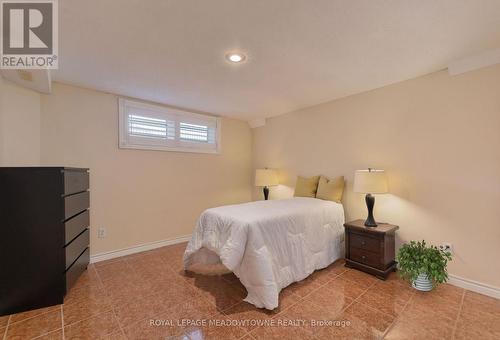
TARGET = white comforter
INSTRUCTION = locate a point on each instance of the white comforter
(269, 244)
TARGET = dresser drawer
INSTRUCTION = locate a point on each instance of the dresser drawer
(366, 257)
(75, 204)
(76, 225)
(75, 248)
(75, 181)
(364, 242)
(77, 269)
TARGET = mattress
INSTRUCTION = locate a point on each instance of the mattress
(268, 244)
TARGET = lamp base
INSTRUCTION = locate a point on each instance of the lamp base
(370, 202)
(370, 223)
(266, 193)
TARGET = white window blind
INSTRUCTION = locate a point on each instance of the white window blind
(154, 127)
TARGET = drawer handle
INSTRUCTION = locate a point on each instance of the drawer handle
(363, 243)
(363, 257)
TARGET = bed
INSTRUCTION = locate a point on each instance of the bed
(268, 244)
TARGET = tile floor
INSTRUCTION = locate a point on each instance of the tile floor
(120, 298)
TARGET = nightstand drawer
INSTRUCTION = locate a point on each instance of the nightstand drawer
(366, 257)
(364, 242)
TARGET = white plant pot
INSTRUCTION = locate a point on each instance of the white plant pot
(422, 283)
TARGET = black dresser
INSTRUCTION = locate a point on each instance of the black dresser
(44, 235)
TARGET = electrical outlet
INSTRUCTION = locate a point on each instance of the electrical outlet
(446, 247)
(101, 232)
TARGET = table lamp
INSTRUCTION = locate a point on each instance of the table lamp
(370, 182)
(266, 178)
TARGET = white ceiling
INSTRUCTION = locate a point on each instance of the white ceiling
(300, 52)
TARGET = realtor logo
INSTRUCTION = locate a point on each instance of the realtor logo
(29, 34)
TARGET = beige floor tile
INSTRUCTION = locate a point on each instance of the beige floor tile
(479, 302)
(215, 328)
(55, 335)
(343, 328)
(88, 304)
(394, 278)
(304, 287)
(394, 289)
(88, 278)
(327, 274)
(218, 291)
(248, 336)
(312, 315)
(35, 326)
(127, 298)
(347, 288)
(120, 292)
(139, 308)
(3, 320)
(29, 314)
(409, 329)
(419, 324)
(248, 315)
(94, 327)
(452, 294)
(118, 335)
(392, 305)
(115, 270)
(148, 330)
(362, 279)
(329, 299)
(106, 262)
(364, 317)
(282, 332)
(478, 322)
(433, 305)
(170, 322)
(82, 293)
(286, 300)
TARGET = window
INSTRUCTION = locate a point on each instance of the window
(154, 127)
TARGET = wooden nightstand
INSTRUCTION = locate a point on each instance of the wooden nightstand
(370, 249)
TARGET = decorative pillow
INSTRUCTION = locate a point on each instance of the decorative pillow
(306, 187)
(330, 189)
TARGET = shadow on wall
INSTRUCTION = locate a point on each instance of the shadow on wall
(410, 204)
(401, 206)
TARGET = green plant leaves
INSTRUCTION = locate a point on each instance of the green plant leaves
(417, 258)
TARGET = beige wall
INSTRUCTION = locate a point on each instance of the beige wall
(19, 125)
(140, 196)
(439, 139)
(437, 136)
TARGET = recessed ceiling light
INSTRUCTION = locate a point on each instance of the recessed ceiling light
(235, 57)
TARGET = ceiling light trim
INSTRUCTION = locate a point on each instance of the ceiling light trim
(236, 57)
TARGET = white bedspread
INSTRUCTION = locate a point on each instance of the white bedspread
(269, 244)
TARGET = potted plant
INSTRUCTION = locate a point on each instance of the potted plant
(424, 266)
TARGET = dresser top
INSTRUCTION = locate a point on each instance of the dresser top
(43, 168)
(381, 228)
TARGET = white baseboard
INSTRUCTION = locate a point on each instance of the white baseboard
(137, 249)
(474, 286)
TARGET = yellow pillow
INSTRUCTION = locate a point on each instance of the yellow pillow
(306, 187)
(330, 189)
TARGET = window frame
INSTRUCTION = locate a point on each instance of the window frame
(126, 141)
